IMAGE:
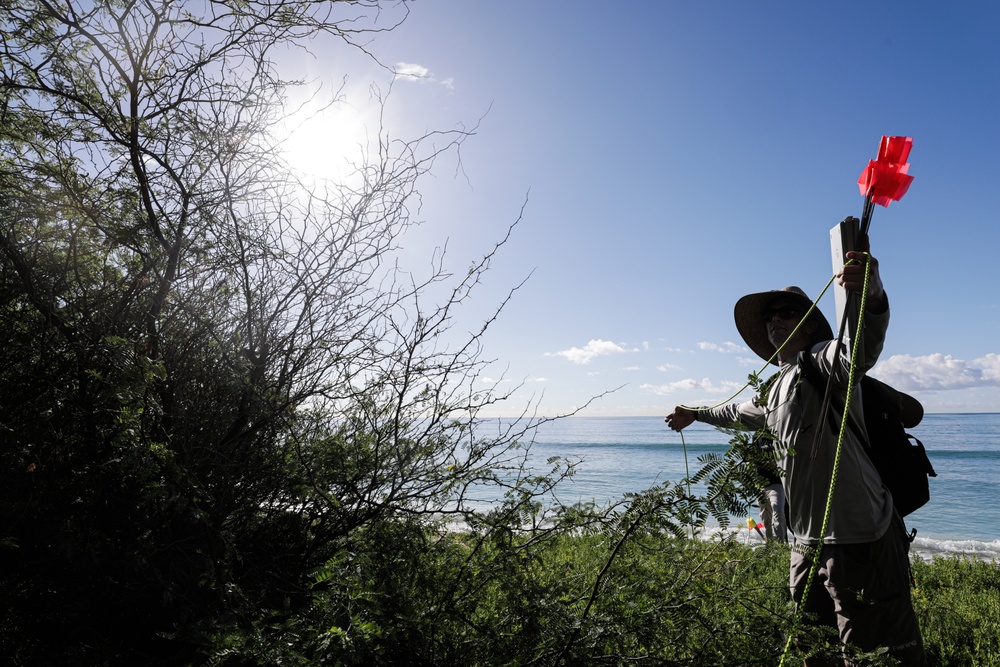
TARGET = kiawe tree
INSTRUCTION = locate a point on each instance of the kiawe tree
(212, 376)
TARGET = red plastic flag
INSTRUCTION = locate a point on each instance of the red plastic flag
(885, 178)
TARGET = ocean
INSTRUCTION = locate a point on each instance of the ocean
(618, 455)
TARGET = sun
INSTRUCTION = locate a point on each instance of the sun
(327, 140)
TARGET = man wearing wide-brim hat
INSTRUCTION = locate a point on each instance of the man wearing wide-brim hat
(862, 585)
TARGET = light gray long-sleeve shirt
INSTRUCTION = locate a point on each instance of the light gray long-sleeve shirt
(862, 506)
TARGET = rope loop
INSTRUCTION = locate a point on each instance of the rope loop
(813, 552)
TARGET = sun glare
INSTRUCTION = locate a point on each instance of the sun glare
(328, 143)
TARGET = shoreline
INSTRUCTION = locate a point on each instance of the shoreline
(925, 548)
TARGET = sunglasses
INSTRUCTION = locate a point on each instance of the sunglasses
(786, 313)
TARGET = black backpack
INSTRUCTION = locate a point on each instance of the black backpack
(900, 458)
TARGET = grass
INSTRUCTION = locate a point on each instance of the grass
(665, 600)
(590, 598)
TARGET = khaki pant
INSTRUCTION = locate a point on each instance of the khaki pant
(863, 590)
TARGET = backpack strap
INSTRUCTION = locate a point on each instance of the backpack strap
(817, 379)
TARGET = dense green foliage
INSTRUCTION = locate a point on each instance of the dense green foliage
(456, 599)
(958, 603)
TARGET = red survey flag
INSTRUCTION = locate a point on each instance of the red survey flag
(885, 178)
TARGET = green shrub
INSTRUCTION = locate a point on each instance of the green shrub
(958, 603)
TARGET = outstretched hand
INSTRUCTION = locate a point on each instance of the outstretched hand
(680, 418)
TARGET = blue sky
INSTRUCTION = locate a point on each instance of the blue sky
(673, 156)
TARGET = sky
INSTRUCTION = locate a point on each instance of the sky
(666, 158)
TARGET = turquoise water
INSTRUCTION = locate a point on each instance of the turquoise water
(618, 455)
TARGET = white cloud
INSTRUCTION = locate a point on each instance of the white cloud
(595, 348)
(667, 367)
(420, 74)
(690, 386)
(938, 372)
(412, 71)
(725, 348)
(991, 367)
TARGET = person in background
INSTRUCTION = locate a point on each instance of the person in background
(862, 586)
(771, 503)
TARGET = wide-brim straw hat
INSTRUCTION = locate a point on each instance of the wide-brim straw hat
(749, 314)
